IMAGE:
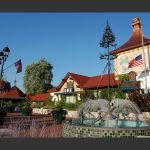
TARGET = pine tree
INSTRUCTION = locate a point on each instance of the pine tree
(108, 37)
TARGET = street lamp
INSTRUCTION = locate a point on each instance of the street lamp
(3, 57)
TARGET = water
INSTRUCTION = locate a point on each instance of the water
(106, 122)
(125, 104)
(93, 106)
(112, 123)
(107, 112)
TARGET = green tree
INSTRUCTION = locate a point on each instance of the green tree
(114, 93)
(38, 77)
(108, 37)
(123, 77)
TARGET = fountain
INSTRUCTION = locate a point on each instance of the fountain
(101, 118)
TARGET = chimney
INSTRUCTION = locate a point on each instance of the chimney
(136, 24)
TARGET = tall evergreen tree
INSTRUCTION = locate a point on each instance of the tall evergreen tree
(107, 41)
(38, 77)
(108, 37)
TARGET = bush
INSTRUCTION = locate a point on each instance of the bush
(87, 94)
(114, 93)
(141, 99)
(59, 114)
(37, 105)
(9, 106)
(119, 94)
(72, 106)
(49, 104)
(26, 108)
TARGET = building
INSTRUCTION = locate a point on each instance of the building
(40, 97)
(133, 57)
(72, 85)
(14, 94)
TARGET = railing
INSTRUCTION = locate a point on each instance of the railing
(30, 126)
(27, 120)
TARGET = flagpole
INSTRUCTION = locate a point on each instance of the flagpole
(8, 67)
(144, 61)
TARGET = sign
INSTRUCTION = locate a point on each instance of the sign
(130, 85)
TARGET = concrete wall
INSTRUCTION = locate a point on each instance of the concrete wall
(41, 111)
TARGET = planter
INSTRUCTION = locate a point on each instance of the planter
(26, 112)
(59, 115)
(2, 116)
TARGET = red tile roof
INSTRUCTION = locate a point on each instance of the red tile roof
(86, 82)
(14, 92)
(135, 39)
(80, 79)
(54, 89)
(100, 81)
(40, 97)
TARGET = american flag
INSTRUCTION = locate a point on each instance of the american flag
(18, 66)
(136, 61)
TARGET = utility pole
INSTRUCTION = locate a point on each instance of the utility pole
(3, 57)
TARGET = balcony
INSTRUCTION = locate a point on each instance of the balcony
(71, 89)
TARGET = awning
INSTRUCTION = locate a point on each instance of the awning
(128, 89)
(130, 85)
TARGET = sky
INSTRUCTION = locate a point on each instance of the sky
(69, 41)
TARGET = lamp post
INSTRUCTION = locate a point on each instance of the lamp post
(3, 57)
(144, 61)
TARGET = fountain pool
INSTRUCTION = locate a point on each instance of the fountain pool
(107, 122)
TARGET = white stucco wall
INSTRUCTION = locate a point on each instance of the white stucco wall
(122, 61)
(141, 78)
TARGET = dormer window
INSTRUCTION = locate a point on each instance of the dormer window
(70, 84)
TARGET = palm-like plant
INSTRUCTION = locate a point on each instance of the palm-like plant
(26, 108)
(59, 113)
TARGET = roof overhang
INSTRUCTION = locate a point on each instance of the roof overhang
(9, 97)
(64, 93)
(114, 52)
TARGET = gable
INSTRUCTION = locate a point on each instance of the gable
(70, 83)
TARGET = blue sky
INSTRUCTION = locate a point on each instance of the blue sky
(69, 41)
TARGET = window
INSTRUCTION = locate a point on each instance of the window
(132, 76)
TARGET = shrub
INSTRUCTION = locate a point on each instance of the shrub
(26, 108)
(72, 106)
(87, 94)
(114, 93)
(49, 104)
(9, 106)
(141, 99)
(59, 114)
